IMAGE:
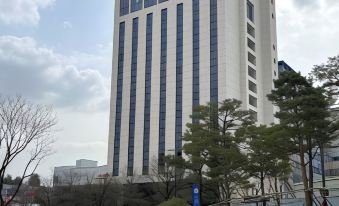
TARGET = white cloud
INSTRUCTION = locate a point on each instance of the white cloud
(308, 32)
(22, 11)
(101, 59)
(46, 76)
(67, 25)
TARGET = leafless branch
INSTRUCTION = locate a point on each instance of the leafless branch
(25, 129)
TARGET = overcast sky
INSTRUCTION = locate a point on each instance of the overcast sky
(58, 52)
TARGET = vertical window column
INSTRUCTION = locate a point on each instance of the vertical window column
(149, 3)
(117, 129)
(196, 52)
(163, 68)
(250, 11)
(213, 50)
(134, 64)
(179, 62)
(148, 77)
(136, 5)
(124, 7)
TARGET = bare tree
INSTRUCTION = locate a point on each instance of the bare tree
(90, 178)
(102, 193)
(169, 177)
(46, 190)
(25, 129)
(71, 178)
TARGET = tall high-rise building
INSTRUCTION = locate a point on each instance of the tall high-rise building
(170, 55)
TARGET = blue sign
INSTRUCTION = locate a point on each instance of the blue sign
(196, 195)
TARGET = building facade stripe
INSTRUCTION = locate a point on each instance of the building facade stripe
(134, 67)
(120, 80)
(179, 67)
(163, 71)
(136, 5)
(148, 78)
(149, 3)
(196, 52)
(214, 50)
(124, 7)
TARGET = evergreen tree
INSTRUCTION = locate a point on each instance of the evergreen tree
(268, 155)
(197, 138)
(213, 142)
(304, 116)
(34, 180)
(328, 74)
(8, 179)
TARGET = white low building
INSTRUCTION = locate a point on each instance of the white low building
(84, 172)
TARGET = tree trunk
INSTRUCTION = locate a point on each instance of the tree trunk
(228, 195)
(2, 202)
(262, 185)
(304, 174)
(48, 201)
(310, 169)
(277, 190)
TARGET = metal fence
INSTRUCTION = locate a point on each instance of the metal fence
(331, 201)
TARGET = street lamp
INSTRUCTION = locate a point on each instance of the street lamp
(175, 168)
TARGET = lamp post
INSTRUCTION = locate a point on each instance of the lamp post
(175, 173)
(175, 168)
(323, 191)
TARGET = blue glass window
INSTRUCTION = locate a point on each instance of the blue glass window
(250, 11)
(124, 7)
(149, 3)
(163, 68)
(196, 52)
(134, 64)
(214, 50)
(148, 78)
(136, 5)
(119, 99)
(252, 101)
(179, 62)
(160, 1)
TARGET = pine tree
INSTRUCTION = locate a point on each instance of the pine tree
(304, 116)
(213, 145)
(268, 154)
(328, 74)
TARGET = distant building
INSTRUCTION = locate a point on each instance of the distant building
(331, 157)
(8, 190)
(84, 172)
(283, 66)
(332, 152)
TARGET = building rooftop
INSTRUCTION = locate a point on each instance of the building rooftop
(283, 66)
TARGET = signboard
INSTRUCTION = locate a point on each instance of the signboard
(196, 195)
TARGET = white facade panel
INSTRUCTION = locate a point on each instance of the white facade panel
(140, 99)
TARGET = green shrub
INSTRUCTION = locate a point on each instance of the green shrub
(175, 202)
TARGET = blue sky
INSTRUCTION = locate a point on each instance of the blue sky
(68, 26)
(58, 52)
